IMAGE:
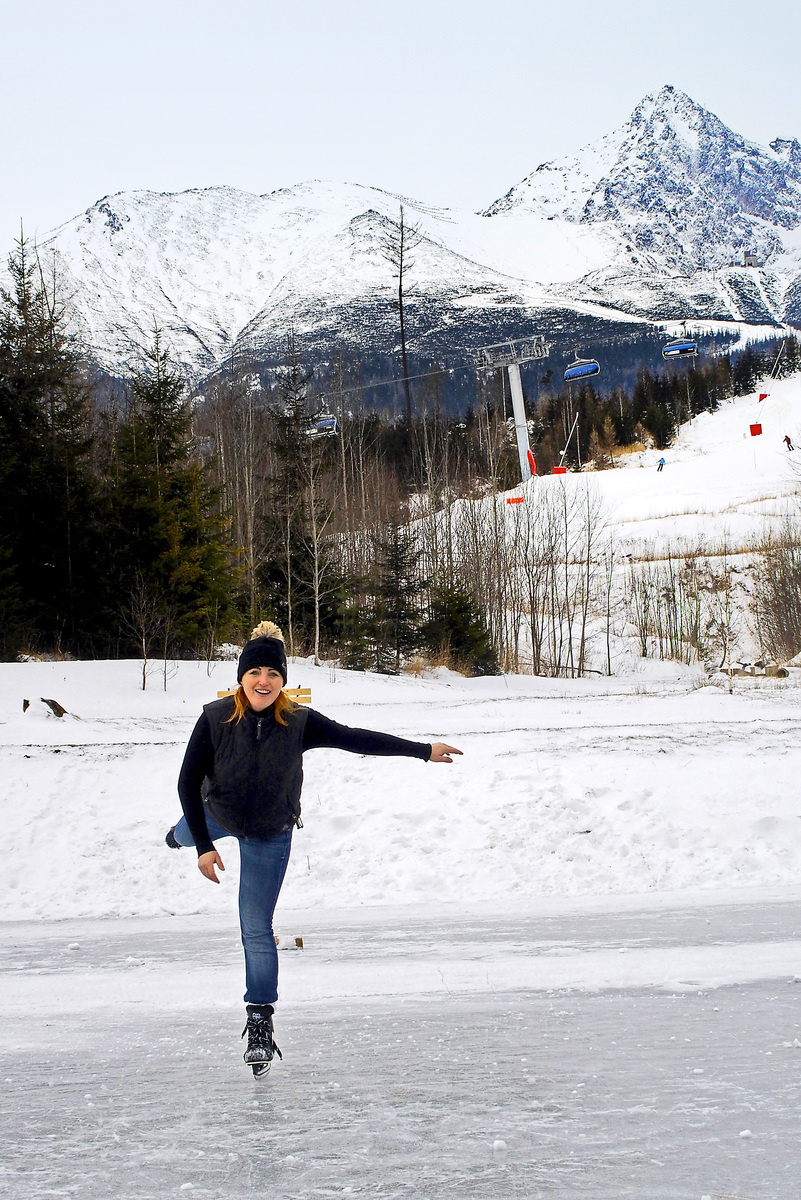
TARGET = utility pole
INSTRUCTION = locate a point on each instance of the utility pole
(510, 355)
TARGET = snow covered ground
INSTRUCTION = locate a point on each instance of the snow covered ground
(598, 787)
(567, 964)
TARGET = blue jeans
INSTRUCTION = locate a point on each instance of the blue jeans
(263, 863)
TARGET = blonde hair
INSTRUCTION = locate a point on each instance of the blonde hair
(282, 704)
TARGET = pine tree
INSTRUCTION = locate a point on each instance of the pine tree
(167, 552)
(455, 629)
(400, 238)
(47, 534)
(397, 598)
(746, 370)
(356, 633)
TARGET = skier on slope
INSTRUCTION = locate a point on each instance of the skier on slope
(660, 464)
(787, 442)
(244, 758)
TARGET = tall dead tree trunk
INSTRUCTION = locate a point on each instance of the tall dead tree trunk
(398, 240)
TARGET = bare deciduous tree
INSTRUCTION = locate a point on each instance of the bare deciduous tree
(142, 619)
(777, 591)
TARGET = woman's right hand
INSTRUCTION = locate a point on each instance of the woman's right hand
(207, 862)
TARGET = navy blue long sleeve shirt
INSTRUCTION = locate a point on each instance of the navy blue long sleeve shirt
(320, 732)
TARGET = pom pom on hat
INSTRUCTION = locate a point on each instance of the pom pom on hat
(265, 649)
(267, 629)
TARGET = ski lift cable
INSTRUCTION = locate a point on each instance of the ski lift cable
(763, 396)
(614, 339)
(368, 387)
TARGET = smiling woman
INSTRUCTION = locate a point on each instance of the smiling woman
(261, 685)
(241, 777)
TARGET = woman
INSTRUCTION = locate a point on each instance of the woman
(241, 777)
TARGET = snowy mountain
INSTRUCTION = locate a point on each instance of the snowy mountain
(677, 204)
(222, 270)
(651, 224)
(686, 192)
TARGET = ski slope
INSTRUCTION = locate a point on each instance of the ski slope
(720, 484)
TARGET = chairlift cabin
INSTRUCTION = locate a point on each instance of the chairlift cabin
(680, 348)
(324, 424)
(581, 368)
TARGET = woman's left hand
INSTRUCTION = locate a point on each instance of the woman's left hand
(441, 752)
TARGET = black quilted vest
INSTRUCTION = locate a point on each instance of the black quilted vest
(258, 769)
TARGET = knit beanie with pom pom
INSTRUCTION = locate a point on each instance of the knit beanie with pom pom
(265, 649)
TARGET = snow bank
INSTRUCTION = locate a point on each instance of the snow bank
(566, 788)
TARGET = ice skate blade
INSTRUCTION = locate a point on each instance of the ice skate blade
(260, 1069)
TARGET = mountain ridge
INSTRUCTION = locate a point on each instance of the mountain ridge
(653, 223)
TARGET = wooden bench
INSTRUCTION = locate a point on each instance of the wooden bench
(300, 695)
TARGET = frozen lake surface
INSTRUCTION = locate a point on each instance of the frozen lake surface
(426, 1054)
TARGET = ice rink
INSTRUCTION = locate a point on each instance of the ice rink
(426, 1055)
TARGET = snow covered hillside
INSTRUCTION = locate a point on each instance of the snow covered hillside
(651, 224)
(719, 484)
(221, 269)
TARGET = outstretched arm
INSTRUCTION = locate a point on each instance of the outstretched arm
(321, 731)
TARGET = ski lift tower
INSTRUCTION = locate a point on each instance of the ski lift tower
(511, 355)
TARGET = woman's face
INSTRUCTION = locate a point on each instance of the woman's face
(261, 686)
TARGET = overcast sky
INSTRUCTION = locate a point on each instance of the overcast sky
(448, 101)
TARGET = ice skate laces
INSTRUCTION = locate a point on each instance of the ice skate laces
(261, 1046)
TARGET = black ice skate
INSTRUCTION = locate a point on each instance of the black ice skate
(170, 839)
(261, 1047)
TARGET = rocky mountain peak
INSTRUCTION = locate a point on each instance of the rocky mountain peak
(673, 183)
(673, 112)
